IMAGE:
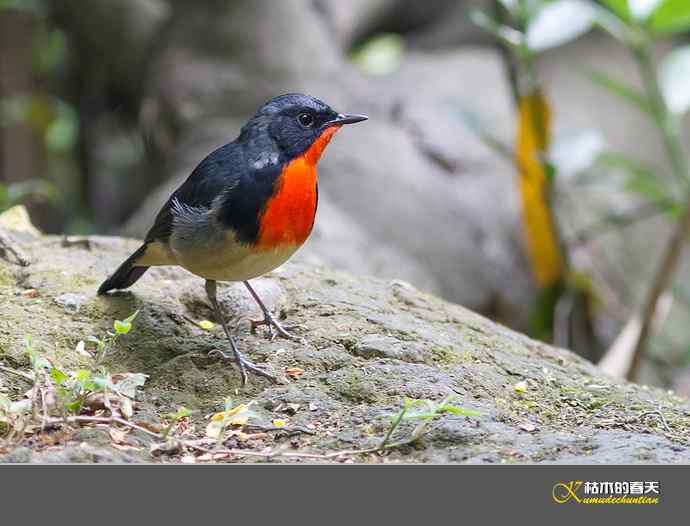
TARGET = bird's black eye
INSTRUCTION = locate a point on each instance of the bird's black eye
(306, 119)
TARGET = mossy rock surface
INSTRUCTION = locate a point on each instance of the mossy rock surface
(368, 344)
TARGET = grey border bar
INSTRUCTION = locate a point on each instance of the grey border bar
(264, 494)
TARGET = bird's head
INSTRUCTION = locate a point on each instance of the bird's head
(298, 125)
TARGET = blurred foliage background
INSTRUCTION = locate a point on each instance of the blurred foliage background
(527, 158)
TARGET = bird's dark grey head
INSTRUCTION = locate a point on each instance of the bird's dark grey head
(294, 122)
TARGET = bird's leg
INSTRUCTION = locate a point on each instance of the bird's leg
(268, 320)
(243, 364)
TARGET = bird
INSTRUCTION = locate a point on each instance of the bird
(245, 209)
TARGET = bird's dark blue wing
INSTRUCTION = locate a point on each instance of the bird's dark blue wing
(230, 175)
(218, 171)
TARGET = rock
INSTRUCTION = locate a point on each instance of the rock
(368, 345)
(378, 346)
(71, 302)
(17, 219)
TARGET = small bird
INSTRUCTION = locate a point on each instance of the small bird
(245, 209)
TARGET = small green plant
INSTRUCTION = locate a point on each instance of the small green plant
(57, 394)
(174, 419)
(75, 389)
(424, 410)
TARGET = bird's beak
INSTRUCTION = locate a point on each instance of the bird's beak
(346, 119)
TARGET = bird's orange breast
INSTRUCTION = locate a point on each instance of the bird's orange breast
(288, 217)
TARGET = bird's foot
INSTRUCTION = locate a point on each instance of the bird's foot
(244, 366)
(271, 323)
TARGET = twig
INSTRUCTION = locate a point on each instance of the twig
(656, 413)
(297, 454)
(294, 430)
(661, 281)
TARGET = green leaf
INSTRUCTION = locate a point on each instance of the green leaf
(59, 376)
(131, 317)
(641, 9)
(620, 89)
(182, 412)
(74, 407)
(620, 7)
(674, 79)
(122, 327)
(455, 410)
(82, 375)
(672, 16)
(627, 164)
(643, 179)
(420, 415)
(98, 383)
(559, 22)
(648, 187)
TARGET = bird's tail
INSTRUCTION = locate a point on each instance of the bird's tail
(126, 274)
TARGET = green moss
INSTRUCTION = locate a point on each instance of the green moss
(446, 356)
(357, 388)
(7, 278)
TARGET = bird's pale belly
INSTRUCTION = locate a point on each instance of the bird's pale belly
(233, 261)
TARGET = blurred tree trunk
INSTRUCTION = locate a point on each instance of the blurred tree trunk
(20, 150)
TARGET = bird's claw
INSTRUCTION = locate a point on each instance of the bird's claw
(271, 323)
(244, 365)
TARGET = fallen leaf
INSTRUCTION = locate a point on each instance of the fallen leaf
(206, 325)
(520, 387)
(118, 436)
(294, 372)
(126, 407)
(528, 426)
(236, 416)
(279, 422)
(30, 293)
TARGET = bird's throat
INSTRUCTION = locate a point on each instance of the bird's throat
(313, 153)
(288, 217)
